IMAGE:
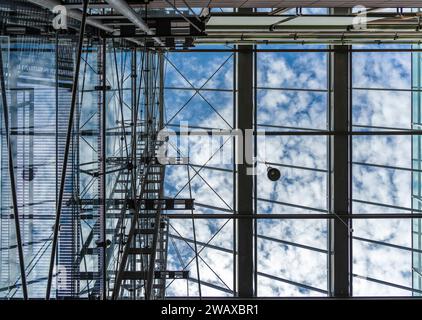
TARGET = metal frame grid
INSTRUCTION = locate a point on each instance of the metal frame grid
(116, 230)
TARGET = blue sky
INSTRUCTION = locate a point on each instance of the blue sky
(307, 187)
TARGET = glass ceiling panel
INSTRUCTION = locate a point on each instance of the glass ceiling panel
(292, 95)
(382, 171)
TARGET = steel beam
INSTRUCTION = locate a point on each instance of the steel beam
(11, 167)
(161, 91)
(123, 8)
(256, 49)
(244, 183)
(67, 149)
(340, 171)
(292, 216)
(150, 125)
(134, 143)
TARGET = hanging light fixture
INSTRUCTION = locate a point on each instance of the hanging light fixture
(273, 174)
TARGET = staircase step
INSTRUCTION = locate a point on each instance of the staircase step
(135, 275)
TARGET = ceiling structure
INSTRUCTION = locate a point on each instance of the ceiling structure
(268, 4)
(182, 25)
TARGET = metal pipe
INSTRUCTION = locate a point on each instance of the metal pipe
(123, 8)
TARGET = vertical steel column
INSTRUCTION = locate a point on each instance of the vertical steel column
(340, 108)
(147, 93)
(133, 75)
(11, 167)
(57, 114)
(134, 120)
(134, 116)
(149, 145)
(234, 175)
(103, 181)
(161, 92)
(245, 227)
(67, 148)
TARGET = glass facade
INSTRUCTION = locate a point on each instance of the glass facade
(38, 113)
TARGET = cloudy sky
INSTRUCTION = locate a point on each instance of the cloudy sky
(292, 92)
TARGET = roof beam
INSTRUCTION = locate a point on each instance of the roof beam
(271, 3)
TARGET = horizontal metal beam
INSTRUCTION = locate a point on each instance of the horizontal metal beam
(156, 4)
(302, 49)
(304, 216)
(262, 216)
(170, 133)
